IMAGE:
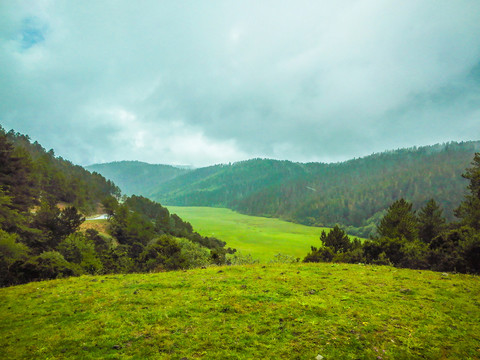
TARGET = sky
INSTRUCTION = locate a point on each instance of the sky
(207, 82)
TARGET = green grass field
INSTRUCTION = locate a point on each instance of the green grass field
(261, 237)
(275, 311)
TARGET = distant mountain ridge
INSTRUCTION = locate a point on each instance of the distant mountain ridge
(352, 193)
(136, 177)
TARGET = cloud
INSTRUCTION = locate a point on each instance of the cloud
(208, 82)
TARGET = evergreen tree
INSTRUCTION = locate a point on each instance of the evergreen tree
(469, 209)
(336, 239)
(16, 175)
(431, 222)
(399, 221)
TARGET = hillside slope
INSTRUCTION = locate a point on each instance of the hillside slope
(26, 167)
(135, 177)
(296, 311)
(41, 237)
(348, 193)
(223, 185)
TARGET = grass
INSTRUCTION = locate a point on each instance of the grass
(275, 311)
(262, 237)
(100, 225)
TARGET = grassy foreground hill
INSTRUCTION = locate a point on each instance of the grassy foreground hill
(281, 311)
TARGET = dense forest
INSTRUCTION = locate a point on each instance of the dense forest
(30, 173)
(43, 200)
(417, 240)
(354, 194)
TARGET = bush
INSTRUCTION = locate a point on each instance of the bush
(193, 254)
(241, 259)
(80, 250)
(162, 253)
(11, 252)
(47, 265)
(284, 259)
(324, 254)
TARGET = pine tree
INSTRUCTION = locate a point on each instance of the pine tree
(16, 175)
(336, 239)
(399, 221)
(431, 222)
(469, 209)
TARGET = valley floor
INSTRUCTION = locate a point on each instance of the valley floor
(261, 237)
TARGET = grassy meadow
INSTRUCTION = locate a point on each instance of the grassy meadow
(261, 237)
(274, 311)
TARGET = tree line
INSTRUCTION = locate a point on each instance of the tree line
(417, 240)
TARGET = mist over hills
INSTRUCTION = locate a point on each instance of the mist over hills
(352, 193)
(136, 177)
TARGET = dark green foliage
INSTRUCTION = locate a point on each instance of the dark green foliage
(80, 250)
(47, 265)
(396, 251)
(336, 239)
(101, 243)
(144, 206)
(163, 253)
(431, 222)
(11, 252)
(399, 221)
(470, 249)
(39, 173)
(130, 227)
(162, 221)
(219, 255)
(117, 260)
(110, 205)
(425, 242)
(456, 250)
(469, 209)
(337, 247)
(166, 223)
(11, 220)
(40, 238)
(325, 254)
(55, 225)
(16, 178)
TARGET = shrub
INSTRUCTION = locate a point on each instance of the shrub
(284, 259)
(11, 252)
(47, 265)
(193, 254)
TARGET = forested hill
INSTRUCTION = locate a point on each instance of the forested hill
(135, 177)
(352, 193)
(30, 173)
(43, 200)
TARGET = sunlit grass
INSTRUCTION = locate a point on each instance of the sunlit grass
(279, 311)
(261, 237)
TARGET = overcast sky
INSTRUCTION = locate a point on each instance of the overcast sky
(204, 82)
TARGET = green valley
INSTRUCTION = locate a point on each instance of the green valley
(353, 193)
(261, 237)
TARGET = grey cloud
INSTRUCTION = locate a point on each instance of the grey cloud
(207, 82)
